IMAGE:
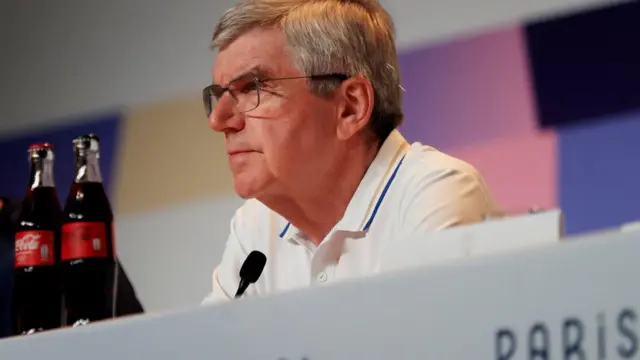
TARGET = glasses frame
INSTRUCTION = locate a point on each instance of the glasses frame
(208, 94)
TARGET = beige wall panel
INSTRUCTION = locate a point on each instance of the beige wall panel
(169, 156)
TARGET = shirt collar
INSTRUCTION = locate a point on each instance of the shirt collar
(369, 195)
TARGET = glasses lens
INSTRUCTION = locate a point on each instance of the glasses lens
(249, 101)
(207, 100)
(246, 92)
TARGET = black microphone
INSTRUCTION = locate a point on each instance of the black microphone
(250, 271)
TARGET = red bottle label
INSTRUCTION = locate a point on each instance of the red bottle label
(34, 248)
(81, 240)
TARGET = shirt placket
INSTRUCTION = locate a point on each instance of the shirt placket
(325, 259)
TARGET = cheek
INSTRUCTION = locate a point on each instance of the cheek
(282, 145)
(275, 125)
(273, 137)
(316, 130)
(291, 135)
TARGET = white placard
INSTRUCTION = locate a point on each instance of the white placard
(514, 233)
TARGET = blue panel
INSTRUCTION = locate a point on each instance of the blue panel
(599, 173)
(6, 281)
(586, 66)
(14, 166)
(8, 212)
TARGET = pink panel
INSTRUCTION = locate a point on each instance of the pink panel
(469, 90)
(521, 171)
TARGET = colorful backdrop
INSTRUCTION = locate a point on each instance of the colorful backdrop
(548, 110)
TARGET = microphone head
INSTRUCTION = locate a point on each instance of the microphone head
(252, 267)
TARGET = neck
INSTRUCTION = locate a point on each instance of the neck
(309, 207)
(41, 174)
(87, 169)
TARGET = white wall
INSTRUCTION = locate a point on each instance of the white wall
(77, 56)
(169, 255)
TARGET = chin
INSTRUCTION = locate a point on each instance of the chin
(246, 190)
(252, 185)
(244, 193)
(245, 196)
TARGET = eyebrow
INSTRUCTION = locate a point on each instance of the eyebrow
(256, 70)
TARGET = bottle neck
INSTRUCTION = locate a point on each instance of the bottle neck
(41, 173)
(87, 168)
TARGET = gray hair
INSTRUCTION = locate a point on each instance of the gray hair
(352, 37)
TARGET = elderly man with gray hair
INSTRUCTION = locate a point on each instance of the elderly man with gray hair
(307, 95)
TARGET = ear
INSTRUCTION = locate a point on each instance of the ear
(356, 106)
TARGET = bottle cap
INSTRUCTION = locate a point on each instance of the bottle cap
(41, 151)
(40, 146)
(89, 142)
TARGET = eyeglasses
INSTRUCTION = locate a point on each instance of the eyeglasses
(245, 90)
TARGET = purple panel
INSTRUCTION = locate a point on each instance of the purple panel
(468, 91)
(599, 172)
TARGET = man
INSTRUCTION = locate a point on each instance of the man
(308, 97)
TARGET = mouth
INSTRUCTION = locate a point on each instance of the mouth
(238, 152)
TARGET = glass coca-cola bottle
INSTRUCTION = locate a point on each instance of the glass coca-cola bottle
(88, 260)
(36, 299)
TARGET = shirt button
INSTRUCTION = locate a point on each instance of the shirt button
(322, 276)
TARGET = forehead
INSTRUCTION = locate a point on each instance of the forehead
(263, 49)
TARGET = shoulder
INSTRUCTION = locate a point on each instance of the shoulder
(426, 163)
(443, 187)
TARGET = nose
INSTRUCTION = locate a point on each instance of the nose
(224, 117)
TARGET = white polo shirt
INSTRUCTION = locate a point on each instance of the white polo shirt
(408, 190)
